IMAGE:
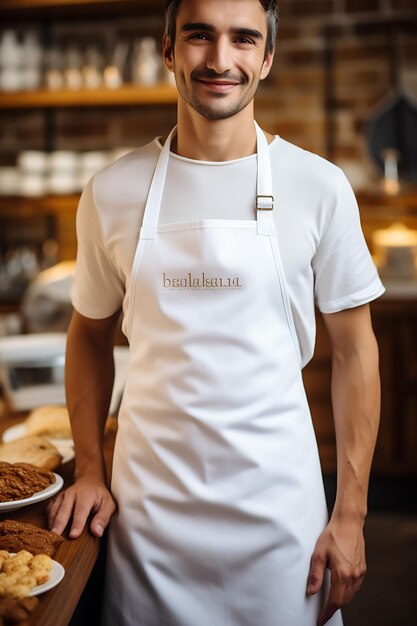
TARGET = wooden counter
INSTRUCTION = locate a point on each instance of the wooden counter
(77, 556)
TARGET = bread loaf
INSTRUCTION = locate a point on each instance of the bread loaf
(50, 421)
(32, 449)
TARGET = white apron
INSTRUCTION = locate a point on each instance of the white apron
(216, 471)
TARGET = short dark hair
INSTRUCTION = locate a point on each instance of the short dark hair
(269, 6)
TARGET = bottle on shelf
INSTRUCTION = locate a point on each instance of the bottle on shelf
(73, 78)
(11, 76)
(114, 71)
(54, 73)
(146, 64)
(31, 61)
(92, 68)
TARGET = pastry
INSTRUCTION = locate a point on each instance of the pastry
(16, 584)
(49, 420)
(16, 536)
(32, 449)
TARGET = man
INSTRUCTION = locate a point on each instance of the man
(221, 516)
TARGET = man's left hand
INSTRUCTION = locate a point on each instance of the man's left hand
(341, 549)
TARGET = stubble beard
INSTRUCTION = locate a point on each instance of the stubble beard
(213, 113)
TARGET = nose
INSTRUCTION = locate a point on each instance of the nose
(219, 59)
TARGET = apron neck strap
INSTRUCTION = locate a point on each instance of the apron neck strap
(264, 189)
(264, 195)
(156, 190)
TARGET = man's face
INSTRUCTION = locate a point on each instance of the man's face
(219, 54)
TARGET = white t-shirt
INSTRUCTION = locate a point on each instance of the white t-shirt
(324, 254)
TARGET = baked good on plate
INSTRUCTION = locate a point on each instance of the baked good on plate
(22, 480)
(21, 572)
(16, 536)
(32, 449)
(13, 611)
(49, 420)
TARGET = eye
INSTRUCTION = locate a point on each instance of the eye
(199, 37)
(244, 41)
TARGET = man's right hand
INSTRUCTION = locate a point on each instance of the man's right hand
(87, 496)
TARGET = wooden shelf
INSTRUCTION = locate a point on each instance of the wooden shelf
(21, 7)
(376, 200)
(366, 23)
(124, 96)
(22, 205)
(7, 5)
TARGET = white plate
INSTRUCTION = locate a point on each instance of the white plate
(64, 446)
(55, 576)
(51, 490)
(66, 451)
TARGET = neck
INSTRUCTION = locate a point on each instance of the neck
(219, 140)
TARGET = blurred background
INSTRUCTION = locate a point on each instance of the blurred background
(81, 83)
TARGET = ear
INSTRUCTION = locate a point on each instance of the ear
(267, 64)
(168, 52)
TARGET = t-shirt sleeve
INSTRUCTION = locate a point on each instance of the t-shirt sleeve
(345, 274)
(97, 290)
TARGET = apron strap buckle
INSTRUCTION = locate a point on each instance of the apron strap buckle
(264, 203)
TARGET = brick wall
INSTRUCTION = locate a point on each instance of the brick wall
(358, 78)
(322, 107)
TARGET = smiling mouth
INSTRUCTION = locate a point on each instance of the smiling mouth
(210, 81)
(218, 85)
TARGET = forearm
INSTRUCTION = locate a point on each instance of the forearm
(89, 380)
(356, 409)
